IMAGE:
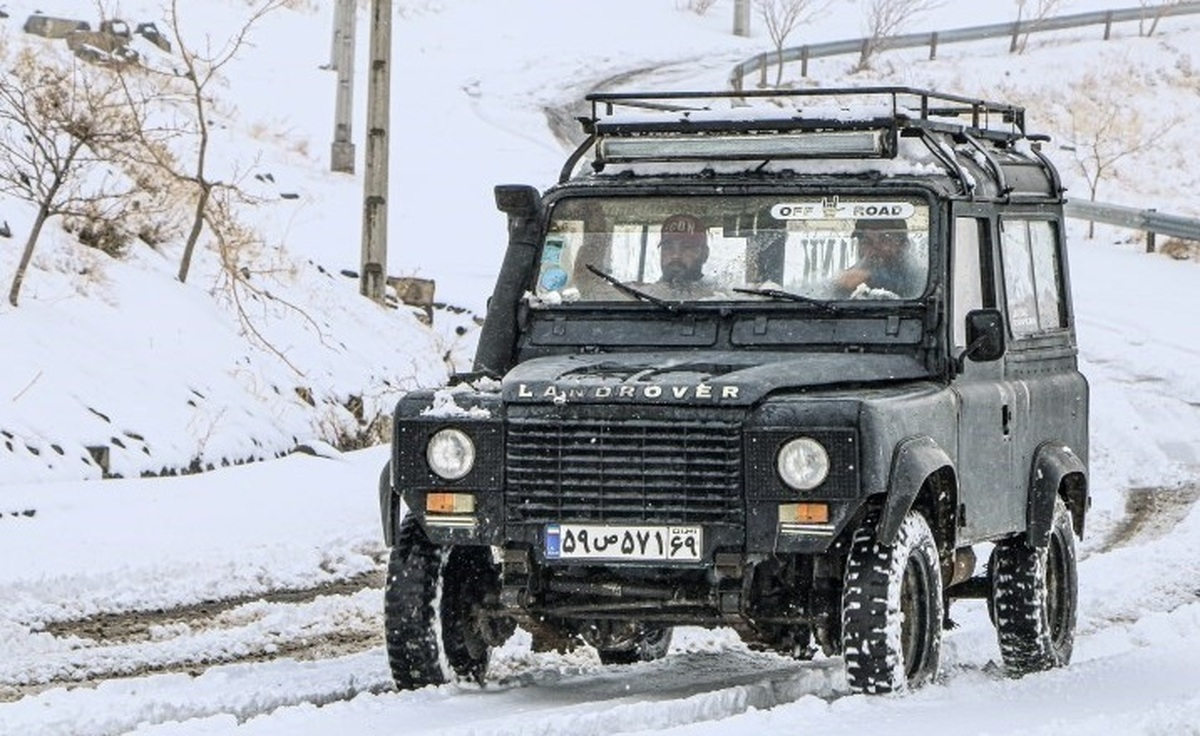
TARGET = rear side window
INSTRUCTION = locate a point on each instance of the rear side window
(1032, 276)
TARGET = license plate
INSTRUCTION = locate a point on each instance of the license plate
(605, 542)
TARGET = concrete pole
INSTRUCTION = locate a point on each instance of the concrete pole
(741, 18)
(341, 156)
(375, 188)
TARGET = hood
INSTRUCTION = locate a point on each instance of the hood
(722, 378)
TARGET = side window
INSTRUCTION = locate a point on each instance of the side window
(1047, 275)
(969, 236)
(1032, 277)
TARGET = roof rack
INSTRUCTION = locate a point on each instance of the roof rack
(837, 122)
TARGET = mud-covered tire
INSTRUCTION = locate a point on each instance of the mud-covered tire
(652, 644)
(432, 602)
(1035, 598)
(892, 608)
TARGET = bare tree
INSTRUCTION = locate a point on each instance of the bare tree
(1105, 129)
(1038, 12)
(781, 17)
(1159, 8)
(174, 153)
(885, 18)
(188, 94)
(59, 122)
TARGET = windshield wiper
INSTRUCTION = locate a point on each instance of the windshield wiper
(788, 296)
(633, 291)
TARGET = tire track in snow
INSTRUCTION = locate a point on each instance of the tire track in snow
(326, 621)
(1151, 513)
(683, 688)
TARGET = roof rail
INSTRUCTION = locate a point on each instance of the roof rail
(909, 106)
(836, 122)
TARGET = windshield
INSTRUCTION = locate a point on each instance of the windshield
(735, 248)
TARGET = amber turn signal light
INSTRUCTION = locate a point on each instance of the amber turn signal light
(804, 513)
(449, 503)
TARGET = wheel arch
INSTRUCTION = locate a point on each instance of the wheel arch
(389, 505)
(1056, 471)
(922, 476)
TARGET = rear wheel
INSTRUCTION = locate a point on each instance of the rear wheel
(892, 608)
(1035, 598)
(434, 610)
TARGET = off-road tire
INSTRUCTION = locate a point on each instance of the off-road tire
(1035, 598)
(652, 645)
(469, 582)
(432, 600)
(892, 608)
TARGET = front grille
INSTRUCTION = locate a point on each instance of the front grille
(589, 469)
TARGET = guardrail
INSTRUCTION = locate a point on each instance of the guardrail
(1149, 220)
(1012, 30)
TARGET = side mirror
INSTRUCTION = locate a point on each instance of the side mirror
(985, 336)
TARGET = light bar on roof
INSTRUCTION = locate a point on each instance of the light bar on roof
(814, 144)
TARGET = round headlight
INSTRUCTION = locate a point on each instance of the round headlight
(802, 463)
(450, 453)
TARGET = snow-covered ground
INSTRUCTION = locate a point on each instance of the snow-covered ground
(247, 600)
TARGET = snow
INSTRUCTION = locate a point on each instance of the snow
(271, 569)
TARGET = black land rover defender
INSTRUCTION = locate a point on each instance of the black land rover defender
(771, 361)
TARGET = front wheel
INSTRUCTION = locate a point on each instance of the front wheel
(892, 608)
(1035, 597)
(434, 610)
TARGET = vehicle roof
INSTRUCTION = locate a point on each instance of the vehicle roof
(981, 147)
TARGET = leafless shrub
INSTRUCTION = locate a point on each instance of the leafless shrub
(1155, 9)
(1105, 129)
(781, 17)
(1039, 11)
(106, 231)
(1180, 249)
(699, 7)
(886, 18)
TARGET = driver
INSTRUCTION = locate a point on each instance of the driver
(683, 251)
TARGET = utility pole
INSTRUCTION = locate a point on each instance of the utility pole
(341, 156)
(741, 18)
(373, 282)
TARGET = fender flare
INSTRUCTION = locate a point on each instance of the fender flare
(914, 460)
(1053, 463)
(389, 504)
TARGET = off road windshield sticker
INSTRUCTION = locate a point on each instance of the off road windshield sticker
(832, 209)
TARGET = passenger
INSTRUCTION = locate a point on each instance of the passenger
(683, 251)
(883, 263)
